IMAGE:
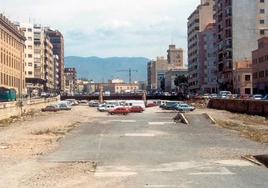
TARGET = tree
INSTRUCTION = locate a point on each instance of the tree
(181, 82)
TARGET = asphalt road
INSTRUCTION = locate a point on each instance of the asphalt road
(150, 150)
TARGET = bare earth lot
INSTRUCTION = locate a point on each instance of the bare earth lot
(23, 142)
(139, 150)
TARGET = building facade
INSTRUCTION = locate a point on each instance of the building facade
(11, 57)
(242, 78)
(39, 60)
(260, 67)
(239, 23)
(207, 70)
(70, 81)
(48, 65)
(57, 40)
(197, 22)
(175, 56)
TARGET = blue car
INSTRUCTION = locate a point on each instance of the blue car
(184, 108)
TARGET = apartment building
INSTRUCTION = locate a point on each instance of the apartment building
(39, 61)
(57, 40)
(70, 81)
(242, 77)
(239, 23)
(197, 22)
(48, 64)
(207, 70)
(260, 67)
(56, 73)
(12, 57)
(175, 56)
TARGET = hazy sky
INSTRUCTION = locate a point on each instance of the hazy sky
(109, 27)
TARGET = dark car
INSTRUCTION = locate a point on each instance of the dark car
(119, 110)
(136, 109)
(169, 106)
(50, 109)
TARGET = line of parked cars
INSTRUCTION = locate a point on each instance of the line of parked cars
(119, 107)
(228, 95)
(62, 105)
(178, 106)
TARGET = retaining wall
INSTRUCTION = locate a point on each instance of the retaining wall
(251, 107)
(9, 109)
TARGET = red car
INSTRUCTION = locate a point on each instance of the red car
(151, 105)
(119, 110)
(136, 109)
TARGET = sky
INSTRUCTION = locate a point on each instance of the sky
(107, 28)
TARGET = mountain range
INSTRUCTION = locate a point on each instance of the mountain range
(103, 69)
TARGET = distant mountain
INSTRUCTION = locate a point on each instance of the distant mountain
(103, 69)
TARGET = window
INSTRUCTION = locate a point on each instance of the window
(30, 55)
(247, 77)
(255, 75)
(30, 47)
(29, 29)
(261, 1)
(262, 32)
(261, 21)
(262, 11)
(30, 72)
(261, 74)
(30, 64)
(266, 73)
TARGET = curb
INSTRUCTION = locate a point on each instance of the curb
(182, 118)
(213, 121)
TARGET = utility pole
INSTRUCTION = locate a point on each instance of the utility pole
(129, 73)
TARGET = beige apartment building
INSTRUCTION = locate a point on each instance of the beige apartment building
(197, 22)
(12, 57)
(242, 77)
(175, 56)
(260, 67)
(39, 60)
(48, 65)
(157, 69)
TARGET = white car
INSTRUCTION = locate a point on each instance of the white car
(106, 107)
(257, 97)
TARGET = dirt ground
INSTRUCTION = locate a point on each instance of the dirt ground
(23, 142)
(252, 127)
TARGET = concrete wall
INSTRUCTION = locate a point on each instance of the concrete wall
(9, 109)
(240, 106)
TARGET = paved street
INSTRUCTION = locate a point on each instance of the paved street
(150, 150)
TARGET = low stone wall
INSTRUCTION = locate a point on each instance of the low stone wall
(9, 109)
(251, 107)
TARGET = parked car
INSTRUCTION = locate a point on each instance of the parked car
(151, 105)
(50, 108)
(265, 97)
(93, 104)
(119, 110)
(83, 101)
(136, 109)
(257, 97)
(213, 96)
(73, 102)
(225, 94)
(106, 107)
(184, 108)
(169, 106)
(64, 106)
